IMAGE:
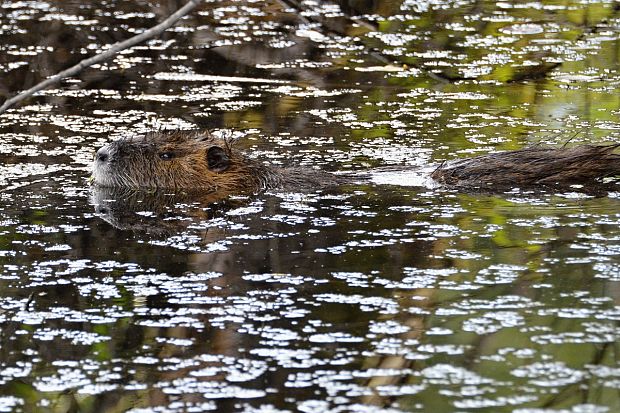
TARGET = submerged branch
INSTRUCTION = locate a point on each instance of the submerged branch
(114, 49)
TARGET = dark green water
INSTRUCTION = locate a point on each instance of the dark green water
(379, 297)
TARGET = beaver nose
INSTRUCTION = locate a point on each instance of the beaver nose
(103, 154)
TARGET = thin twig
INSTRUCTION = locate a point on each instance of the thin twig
(30, 299)
(571, 138)
(114, 49)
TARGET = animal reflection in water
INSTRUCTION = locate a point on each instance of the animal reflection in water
(202, 163)
(156, 212)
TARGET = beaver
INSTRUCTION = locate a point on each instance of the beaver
(201, 162)
(195, 161)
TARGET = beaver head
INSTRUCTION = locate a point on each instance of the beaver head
(179, 161)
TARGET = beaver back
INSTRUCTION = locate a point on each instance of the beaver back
(533, 166)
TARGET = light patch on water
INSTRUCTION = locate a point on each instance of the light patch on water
(311, 91)
(264, 408)
(387, 68)
(607, 270)
(383, 305)
(415, 278)
(172, 322)
(387, 327)
(353, 279)
(415, 178)
(574, 195)
(34, 5)
(292, 64)
(438, 231)
(568, 312)
(493, 322)
(352, 212)
(10, 66)
(9, 173)
(480, 41)
(27, 51)
(502, 302)
(439, 331)
(445, 374)
(133, 15)
(254, 208)
(74, 337)
(578, 408)
(278, 278)
(499, 274)
(194, 77)
(10, 403)
(313, 35)
(75, 93)
(462, 255)
(480, 403)
(576, 78)
(69, 19)
(600, 337)
(178, 407)
(59, 247)
(523, 29)
(287, 219)
(19, 370)
(436, 54)
(238, 105)
(209, 390)
(290, 358)
(104, 291)
(334, 338)
(421, 6)
(190, 242)
(549, 374)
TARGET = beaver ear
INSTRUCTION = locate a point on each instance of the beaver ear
(217, 159)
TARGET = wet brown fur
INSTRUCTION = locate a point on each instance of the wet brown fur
(533, 166)
(137, 163)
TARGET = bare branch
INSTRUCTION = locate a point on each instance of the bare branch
(114, 49)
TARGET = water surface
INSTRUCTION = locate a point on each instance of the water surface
(379, 296)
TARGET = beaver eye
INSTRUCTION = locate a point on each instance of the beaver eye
(166, 156)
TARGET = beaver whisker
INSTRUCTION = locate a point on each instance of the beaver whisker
(128, 180)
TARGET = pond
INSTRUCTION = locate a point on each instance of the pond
(390, 296)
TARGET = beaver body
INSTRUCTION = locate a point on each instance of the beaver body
(188, 162)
